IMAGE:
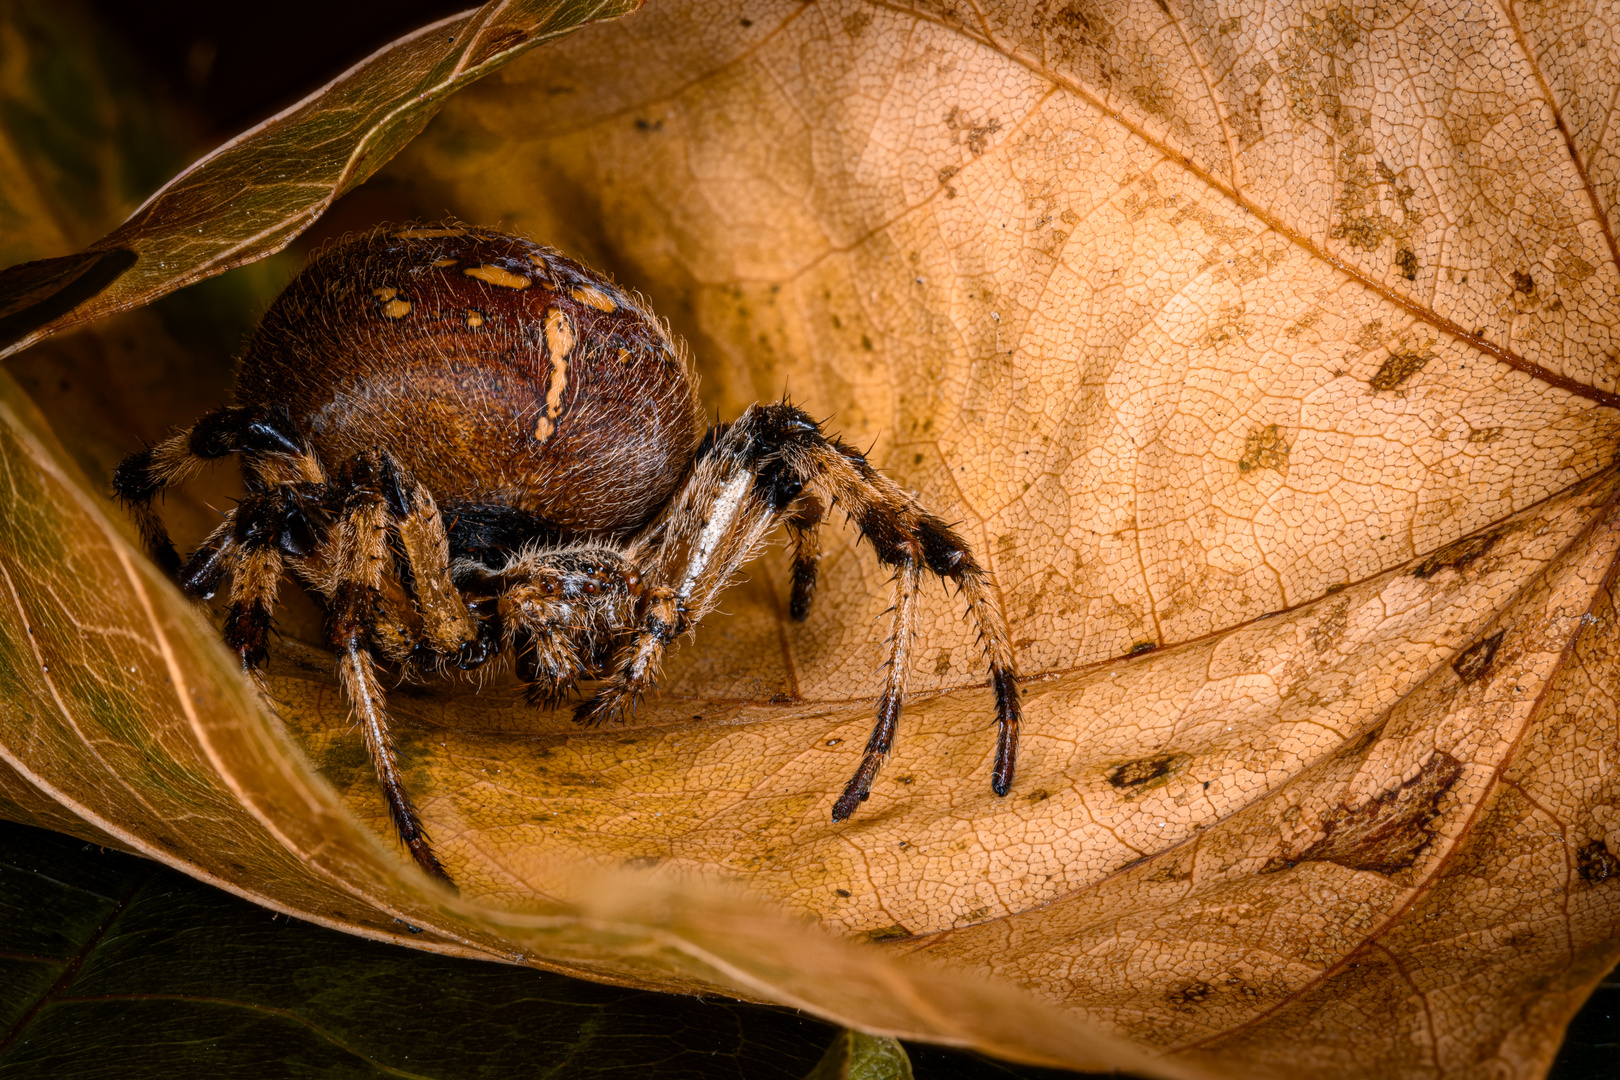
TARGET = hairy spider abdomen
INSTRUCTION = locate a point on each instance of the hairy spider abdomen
(496, 370)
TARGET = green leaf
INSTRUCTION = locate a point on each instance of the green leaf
(854, 1055)
(253, 195)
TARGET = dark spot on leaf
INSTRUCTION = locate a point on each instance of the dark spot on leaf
(1264, 448)
(1191, 994)
(1523, 283)
(1038, 795)
(888, 933)
(1457, 554)
(1397, 369)
(841, 892)
(1142, 647)
(1387, 833)
(1596, 864)
(511, 39)
(1173, 871)
(1407, 262)
(1137, 773)
(1475, 662)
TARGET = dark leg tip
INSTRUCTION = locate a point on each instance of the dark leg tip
(1001, 785)
(592, 711)
(852, 797)
(429, 862)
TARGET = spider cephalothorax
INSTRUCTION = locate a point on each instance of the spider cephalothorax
(466, 445)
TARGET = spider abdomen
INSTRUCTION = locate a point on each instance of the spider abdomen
(499, 372)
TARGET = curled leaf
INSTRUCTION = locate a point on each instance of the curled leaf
(250, 197)
(1298, 482)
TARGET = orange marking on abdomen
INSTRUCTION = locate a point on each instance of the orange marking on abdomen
(559, 342)
(495, 275)
(596, 298)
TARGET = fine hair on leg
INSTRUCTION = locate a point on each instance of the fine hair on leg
(355, 602)
(907, 592)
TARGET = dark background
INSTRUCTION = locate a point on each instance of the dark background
(178, 980)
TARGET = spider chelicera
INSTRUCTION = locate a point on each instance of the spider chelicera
(468, 446)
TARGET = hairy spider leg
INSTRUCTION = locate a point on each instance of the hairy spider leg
(907, 594)
(904, 535)
(146, 473)
(286, 485)
(417, 528)
(356, 601)
(804, 530)
(256, 565)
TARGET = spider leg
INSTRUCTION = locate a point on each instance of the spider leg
(718, 521)
(249, 546)
(255, 568)
(448, 628)
(804, 529)
(356, 602)
(902, 531)
(907, 592)
(144, 474)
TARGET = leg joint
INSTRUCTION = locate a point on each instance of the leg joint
(246, 429)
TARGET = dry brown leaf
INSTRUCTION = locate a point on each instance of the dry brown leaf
(1269, 358)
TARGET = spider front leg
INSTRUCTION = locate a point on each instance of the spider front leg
(147, 473)
(355, 604)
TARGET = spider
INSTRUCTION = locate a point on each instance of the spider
(467, 447)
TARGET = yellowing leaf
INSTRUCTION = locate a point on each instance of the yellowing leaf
(1267, 358)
